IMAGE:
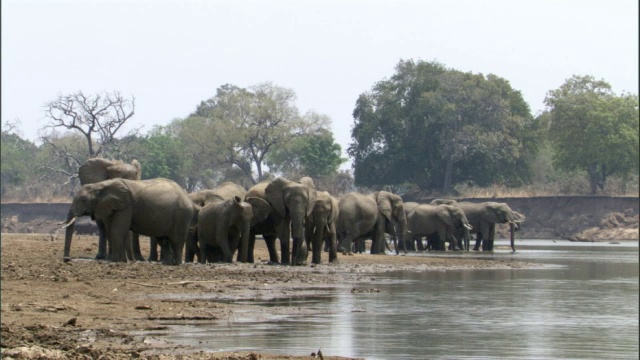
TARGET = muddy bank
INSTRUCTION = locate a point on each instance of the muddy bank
(87, 309)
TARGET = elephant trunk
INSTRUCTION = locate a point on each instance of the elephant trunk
(512, 228)
(69, 225)
(402, 231)
(299, 250)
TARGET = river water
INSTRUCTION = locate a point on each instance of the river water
(583, 304)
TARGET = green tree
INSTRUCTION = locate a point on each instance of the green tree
(315, 155)
(17, 159)
(240, 127)
(161, 157)
(593, 129)
(437, 127)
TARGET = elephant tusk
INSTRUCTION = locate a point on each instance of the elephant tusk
(73, 220)
(468, 227)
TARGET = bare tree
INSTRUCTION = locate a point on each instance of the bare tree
(98, 117)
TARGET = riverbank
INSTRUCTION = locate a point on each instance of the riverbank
(89, 309)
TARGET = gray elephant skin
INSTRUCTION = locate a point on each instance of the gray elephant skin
(263, 222)
(292, 203)
(225, 191)
(321, 227)
(98, 169)
(370, 217)
(223, 227)
(483, 217)
(442, 220)
(157, 208)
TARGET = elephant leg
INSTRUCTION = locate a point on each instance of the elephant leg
(418, 241)
(250, 246)
(377, 245)
(102, 241)
(118, 231)
(316, 245)
(270, 240)
(333, 243)
(128, 245)
(222, 240)
(135, 242)
(492, 236)
(153, 249)
(192, 249)
(285, 235)
(203, 250)
(476, 247)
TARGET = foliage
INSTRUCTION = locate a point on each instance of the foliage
(315, 155)
(594, 130)
(17, 160)
(240, 127)
(437, 127)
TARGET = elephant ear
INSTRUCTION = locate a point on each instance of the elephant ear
(312, 195)
(335, 210)
(136, 164)
(445, 214)
(94, 170)
(261, 209)
(119, 169)
(114, 196)
(384, 204)
(308, 181)
(274, 192)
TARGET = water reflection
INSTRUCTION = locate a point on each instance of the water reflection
(585, 306)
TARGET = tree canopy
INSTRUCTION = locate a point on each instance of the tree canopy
(593, 129)
(437, 127)
(240, 127)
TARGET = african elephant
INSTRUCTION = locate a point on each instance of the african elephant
(443, 220)
(321, 225)
(292, 203)
(156, 208)
(263, 222)
(371, 216)
(484, 216)
(412, 242)
(98, 169)
(223, 227)
(225, 191)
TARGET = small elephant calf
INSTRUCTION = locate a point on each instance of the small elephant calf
(223, 227)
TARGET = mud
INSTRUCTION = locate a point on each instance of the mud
(88, 309)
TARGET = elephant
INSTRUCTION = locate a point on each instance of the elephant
(412, 242)
(223, 227)
(157, 208)
(292, 203)
(443, 220)
(98, 169)
(263, 222)
(321, 225)
(225, 191)
(483, 217)
(371, 216)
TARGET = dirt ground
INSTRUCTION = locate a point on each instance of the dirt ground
(87, 309)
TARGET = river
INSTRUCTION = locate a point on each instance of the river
(583, 304)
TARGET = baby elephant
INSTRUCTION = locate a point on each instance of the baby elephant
(223, 228)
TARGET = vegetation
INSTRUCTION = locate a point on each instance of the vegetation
(426, 129)
(437, 127)
(594, 130)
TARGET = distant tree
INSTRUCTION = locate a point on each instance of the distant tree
(96, 118)
(17, 158)
(240, 127)
(316, 155)
(593, 129)
(161, 155)
(437, 127)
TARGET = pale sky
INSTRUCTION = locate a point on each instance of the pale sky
(171, 55)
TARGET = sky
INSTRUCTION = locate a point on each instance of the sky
(171, 55)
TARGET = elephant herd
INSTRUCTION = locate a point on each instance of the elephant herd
(212, 225)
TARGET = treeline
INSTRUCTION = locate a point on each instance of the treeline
(426, 128)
